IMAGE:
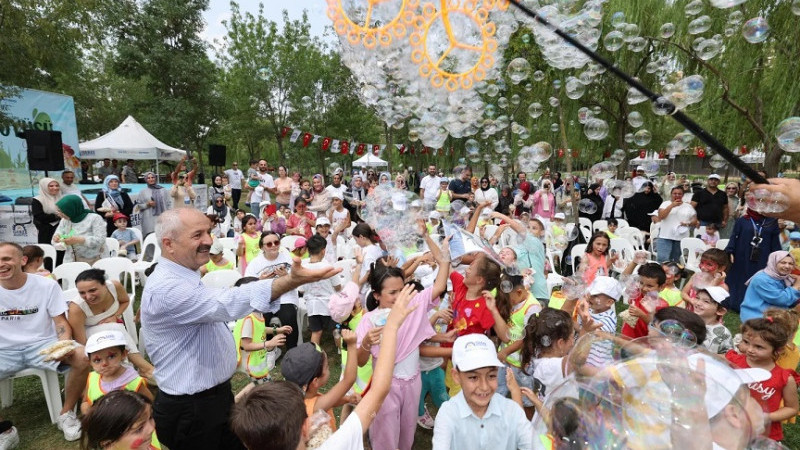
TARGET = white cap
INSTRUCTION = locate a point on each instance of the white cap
(606, 286)
(717, 293)
(722, 381)
(638, 168)
(474, 351)
(336, 194)
(323, 221)
(216, 247)
(105, 339)
(434, 215)
(264, 203)
(560, 216)
(715, 176)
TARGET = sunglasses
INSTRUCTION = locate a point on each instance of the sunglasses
(271, 244)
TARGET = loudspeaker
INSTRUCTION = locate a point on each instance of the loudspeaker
(44, 150)
(216, 155)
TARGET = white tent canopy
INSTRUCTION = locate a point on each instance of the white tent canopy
(129, 141)
(369, 160)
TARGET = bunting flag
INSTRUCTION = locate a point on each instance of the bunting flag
(561, 153)
(335, 146)
(360, 149)
(376, 149)
(701, 153)
(744, 150)
(295, 136)
(306, 139)
(326, 142)
(316, 138)
(344, 147)
(285, 131)
(642, 154)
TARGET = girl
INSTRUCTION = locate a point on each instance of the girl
(443, 197)
(711, 235)
(248, 247)
(368, 240)
(504, 201)
(338, 215)
(790, 357)
(301, 222)
(713, 263)
(35, 261)
(597, 261)
(763, 340)
(470, 312)
(119, 420)
(670, 292)
(396, 421)
(271, 221)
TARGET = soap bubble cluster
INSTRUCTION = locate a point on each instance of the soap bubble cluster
(393, 214)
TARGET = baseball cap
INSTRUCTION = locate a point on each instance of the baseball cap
(722, 381)
(299, 243)
(443, 180)
(434, 215)
(474, 351)
(341, 303)
(717, 293)
(216, 247)
(638, 168)
(337, 194)
(119, 215)
(560, 216)
(301, 364)
(714, 176)
(323, 221)
(105, 339)
(794, 236)
(606, 286)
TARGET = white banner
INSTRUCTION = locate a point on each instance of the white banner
(16, 225)
(295, 135)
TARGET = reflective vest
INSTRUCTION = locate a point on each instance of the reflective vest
(257, 363)
(443, 203)
(211, 266)
(516, 328)
(94, 391)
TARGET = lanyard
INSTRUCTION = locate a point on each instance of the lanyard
(757, 229)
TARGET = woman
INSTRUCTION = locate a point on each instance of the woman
(272, 262)
(565, 195)
(753, 240)
(301, 222)
(486, 194)
(99, 307)
(399, 182)
(638, 208)
(219, 209)
(321, 201)
(81, 233)
(732, 190)
(152, 201)
(384, 179)
(45, 212)
(504, 200)
(216, 188)
(669, 182)
(111, 201)
(593, 196)
(772, 286)
(523, 200)
(355, 198)
(283, 186)
(182, 193)
(544, 202)
(557, 182)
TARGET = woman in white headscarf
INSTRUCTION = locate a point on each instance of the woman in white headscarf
(44, 209)
(111, 201)
(152, 200)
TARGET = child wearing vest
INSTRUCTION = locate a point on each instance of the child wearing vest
(443, 197)
(217, 260)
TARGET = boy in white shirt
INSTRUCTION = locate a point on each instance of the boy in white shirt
(318, 294)
(708, 305)
(603, 294)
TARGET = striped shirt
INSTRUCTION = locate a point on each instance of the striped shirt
(600, 355)
(186, 334)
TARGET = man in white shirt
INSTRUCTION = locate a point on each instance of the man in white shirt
(266, 179)
(676, 217)
(429, 186)
(235, 177)
(68, 187)
(640, 179)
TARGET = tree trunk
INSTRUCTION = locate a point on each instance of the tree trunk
(772, 159)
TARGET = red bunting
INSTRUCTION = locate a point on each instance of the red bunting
(607, 154)
(662, 154)
(642, 154)
(576, 153)
(744, 150)
(285, 131)
(360, 149)
(344, 147)
(701, 153)
(402, 149)
(326, 143)
(561, 153)
(376, 149)
(307, 139)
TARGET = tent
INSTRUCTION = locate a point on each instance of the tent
(369, 160)
(129, 141)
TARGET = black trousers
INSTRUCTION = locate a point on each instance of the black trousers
(288, 316)
(236, 195)
(197, 421)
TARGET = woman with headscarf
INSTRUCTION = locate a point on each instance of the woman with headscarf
(321, 200)
(355, 198)
(638, 208)
(111, 201)
(385, 179)
(772, 286)
(753, 240)
(593, 196)
(216, 188)
(504, 200)
(219, 211)
(544, 201)
(523, 200)
(732, 191)
(152, 201)
(486, 193)
(81, 233)
(44, 210)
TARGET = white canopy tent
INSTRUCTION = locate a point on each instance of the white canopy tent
(130, 140)
(369, 160)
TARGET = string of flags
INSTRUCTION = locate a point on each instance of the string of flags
(346, 147)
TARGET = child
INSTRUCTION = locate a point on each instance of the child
(318, 294)
(764, 339)
(478, 414)
(434, 222)
(34, 261)
(670, 293)
(790, 356)
(711, 235)
(299, 248)
(396, 421)
(323, 227)
(256, 197)
(237, 222)
(274, 414)
(227, 190)
(637, 317)
(217, 259)
(596, 261)
(305, 191)
(249, 241)
(127, 239)
(611, 227)
(443, 197)
(794, 247)
(256, 355)
(107, 351)
(470, 314)
(603, 295)
(270, 221)
(431, 362)
(713, 263)
(120, 420)
(338, 215)
(708, 305)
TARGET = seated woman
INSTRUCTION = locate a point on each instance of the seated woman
(772, 286)
(301, 222)
(222, 223)
(81, 233)
(99, 308)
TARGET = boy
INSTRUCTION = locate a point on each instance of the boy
(794, 248)
(708, 305)
(305, 191)
(477, 416)
(127, 239)
(637, 317)
(217, 259)
(323, 227)
(318, 294)
(603, 294)
(611, 227)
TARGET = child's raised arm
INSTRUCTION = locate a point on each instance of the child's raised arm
(335, 396)
(442, 257)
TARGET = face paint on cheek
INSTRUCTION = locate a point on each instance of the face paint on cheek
(137, 443)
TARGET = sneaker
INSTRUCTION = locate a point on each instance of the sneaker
(70, 425)
(9, 439)
(425, 420)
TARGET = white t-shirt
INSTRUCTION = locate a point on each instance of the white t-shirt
(26, 314)
(349, 436)
(671, 227)
(235, 177)
(431, 186)
(266, 180)
(261, 264)
(371, 254)
(341, 189)
(318, 293)
(548, 373)
(257, 195)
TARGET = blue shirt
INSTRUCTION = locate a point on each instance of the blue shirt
(459, 186)
(503, 427)
(185, 330)
(530, 255)
(763, 292)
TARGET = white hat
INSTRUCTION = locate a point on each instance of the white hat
(606, 286)
(722, 381)
(264, 203)
(337, 194)
(715, 176)
(105, 339)
(717, 293)
(638, 168)
(323, 221)
(434, 215)
(216, 247)
(474, 351)
(560, 216)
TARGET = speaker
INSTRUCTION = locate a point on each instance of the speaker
(44, 150)
(216, 155)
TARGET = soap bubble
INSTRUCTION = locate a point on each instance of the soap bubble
(596, 129)
(333, 167)
(694, 7)
(708, 49)
(699, 25)
(736, 17)
(642, 137)
(518, 70)
(663, 106)
(602, 171)
(584, 114)
(635, 119)
(788, 134)
(637, 44)
(756, 30)
(796, 7)
(587, 206)
(387, 212)
(624, 188)
(554, 127)
(554, 102)
(263, 73)
(538, 75)
(723, 4)
(667, 30)
(651, 167)
(560, 242)
(717, 162)
(502, 103)
(574, 88)
(613, 41)
(515, 99)
(306, 102)
(535, 110)
(541, 151)
(635, 97)
(573, 232)
(506, 286)
(764, 201)
(618, 19)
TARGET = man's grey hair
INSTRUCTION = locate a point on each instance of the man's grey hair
(169, 224)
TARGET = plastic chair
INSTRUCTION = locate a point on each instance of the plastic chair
(70, 294)
(577, 253)
(287, 242)
(722, 243)
(112, 248)
(622, 223)
(67, 272)
(118, 268)
(151, 251)
(584, 222)
(49, 252)
(598, 225)
(52, 391)
(347, 266)
(139, 238)
(623, 247)
(221, 278)
(691, 249)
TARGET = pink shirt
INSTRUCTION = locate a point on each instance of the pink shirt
(294, 221)
(544, 206)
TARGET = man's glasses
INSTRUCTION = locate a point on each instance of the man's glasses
(271, 244)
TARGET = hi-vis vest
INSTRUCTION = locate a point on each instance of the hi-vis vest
(257, 364)
(516, 328)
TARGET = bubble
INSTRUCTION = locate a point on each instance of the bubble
(519, 69)
(572, 232)
(651, 167)
(538, 75)
(618, 19)
(492, 90)
(596, 129)
(587, 206)
(765, 201)
(637, 44)
(560, 242)
(526, 38)
(515, 99)
(535, 110)
(755, 30)
(554, 127)
(694, 7)
(635, 119)
(717, 162)
(625, 189)
(642, 138)
(723, 4)
(515, 333)
(796, 7)
(602, 171)
(506, 286)
(674, 331)
(333, 167)
(735, 18)
(667, 30)
(502, 103)
(306, 102)
(387, 212)
(613, 40)
(788, 134)
(699, 25)
(584, 114)
(575, 89)
(631, 31)
(662, 107)
(263, 73)
(634, 96)
(554, 102)
(708, 49)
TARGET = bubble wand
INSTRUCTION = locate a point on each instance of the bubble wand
(660, 102)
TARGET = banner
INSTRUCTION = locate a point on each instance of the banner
(37, 110)
(16, 225)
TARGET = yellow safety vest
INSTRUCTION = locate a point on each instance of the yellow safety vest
(94, 391)
(257, 364)
(516, 329)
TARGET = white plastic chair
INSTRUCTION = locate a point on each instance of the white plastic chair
(70, 295)
(112, 248)
(151, 251)
(622, 223)
(119, 269)
(67, 272)
(691, 249)
(623, 247)
(577, 252)
(722, 243)
(347, 266)
(139, 238)
(221, 278)
(52, 391)
(287, 242)
(584, 222)
(600, 224)
(49, 252)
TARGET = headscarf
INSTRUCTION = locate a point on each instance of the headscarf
(321, 183)
(115, 195)
(388, 177)
(158, 195)
(221, 211)
(525, 187)
(752, 214)
(486, 179)
(48, 201)
(72, 207)
(772, 268)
